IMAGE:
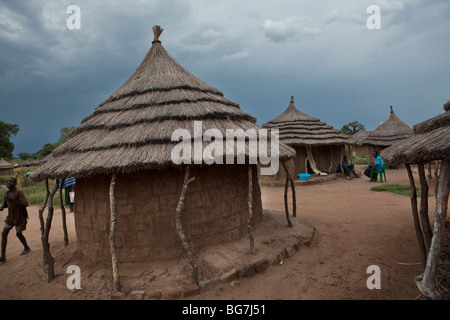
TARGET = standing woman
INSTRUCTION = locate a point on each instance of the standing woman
(17, 216)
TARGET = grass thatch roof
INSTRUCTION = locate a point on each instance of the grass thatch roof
(5, 164)
(389, 132)
(359, 137)
(298, 128)
(431, 141)
(131, 130)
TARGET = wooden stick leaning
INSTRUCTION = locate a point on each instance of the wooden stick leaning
(413, 196)
(47, 257)
(63, 214)
(426, 282)
(426, 227)
(250, 211)
(112, 234)
(41, 218)
(179, 226)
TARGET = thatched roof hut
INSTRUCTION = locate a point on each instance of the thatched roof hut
(388, 132)
(130, 135)
(431, 141)
(319, 147)
(359, 137)
(6, 168)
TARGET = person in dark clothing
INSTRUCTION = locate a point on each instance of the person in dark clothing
(348, 168)
(17, 216)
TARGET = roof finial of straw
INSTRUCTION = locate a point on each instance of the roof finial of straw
(157, 30)
(447, 106)
(392, 110)
(292, 99)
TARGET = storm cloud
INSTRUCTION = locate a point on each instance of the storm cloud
(257, 52)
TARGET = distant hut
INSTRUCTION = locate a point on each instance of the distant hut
(430, 142)
(387, 133)
(358, 146)
(6, 168)
(129, 136)
(319, 147)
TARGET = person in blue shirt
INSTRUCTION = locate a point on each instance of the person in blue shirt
(378, 166)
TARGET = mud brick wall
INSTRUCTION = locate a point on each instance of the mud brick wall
(215, 211)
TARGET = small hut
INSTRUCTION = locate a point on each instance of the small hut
(127, 144)
(430, 142)
(358, 146)
(387, 133)
(319, 147)
(6, 168)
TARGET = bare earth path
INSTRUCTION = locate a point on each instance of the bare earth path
(355, 228)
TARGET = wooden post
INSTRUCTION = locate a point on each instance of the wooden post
(47, 257)
(41, 210)
(179, 226)
(426, 227)
(427, 283)
(112, 234)
(286, 205)
(63, 213)
(423, 254)
(250, 211)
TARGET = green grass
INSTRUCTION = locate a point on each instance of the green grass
(394, 188)
(360, 160)
(34, 191)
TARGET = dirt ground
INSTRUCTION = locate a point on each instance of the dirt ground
(354, 228)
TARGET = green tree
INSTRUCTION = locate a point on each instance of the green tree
(64, 134)
(352, 127)
(6, 146)
(46, 150)
(24, 156)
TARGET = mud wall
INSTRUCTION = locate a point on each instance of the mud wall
(215, 211)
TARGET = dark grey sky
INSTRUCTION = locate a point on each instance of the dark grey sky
(257, 52)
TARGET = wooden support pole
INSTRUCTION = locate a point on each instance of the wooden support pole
(426, 282)
(426, 227)
(179, 226)
(250, 211)
(112, 234)
(41, 210)
(286, 204)
(63, 213)
(47, 257)
(413, 196)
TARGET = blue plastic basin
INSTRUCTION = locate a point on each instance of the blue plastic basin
(304, 176)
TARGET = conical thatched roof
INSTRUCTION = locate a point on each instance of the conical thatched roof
(298, 128)
(131, 130)
(431, 141)
(389, 132)
(359, 137)
(5, 164)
